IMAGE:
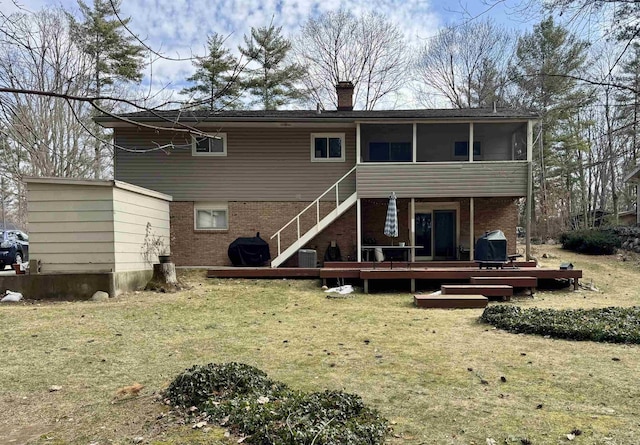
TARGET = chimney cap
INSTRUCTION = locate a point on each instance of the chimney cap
(345, 84)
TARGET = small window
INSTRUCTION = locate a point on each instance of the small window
(461, 149)
(390, 152)
(327, 147)
(212, 216)
(215, 145)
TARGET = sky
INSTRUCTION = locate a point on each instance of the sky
(179, 28)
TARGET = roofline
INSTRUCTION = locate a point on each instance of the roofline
(99, 183)
(104, 121)
(631, 176)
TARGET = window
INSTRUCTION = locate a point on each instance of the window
(211, 216)
(327, 147)
(390, 152)
(461, 149)
(215, 145)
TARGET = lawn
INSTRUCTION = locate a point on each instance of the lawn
(435, 374)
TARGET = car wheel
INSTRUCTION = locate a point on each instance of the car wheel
(18, 258)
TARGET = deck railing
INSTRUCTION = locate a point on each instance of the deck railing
(316, 205)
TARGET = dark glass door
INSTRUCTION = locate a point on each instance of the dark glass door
(444, 234)
(423, 234)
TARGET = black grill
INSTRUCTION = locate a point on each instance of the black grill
(491, 248)
(249, 251)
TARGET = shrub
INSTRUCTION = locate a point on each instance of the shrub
(245, 400)
(214, 382)
(612, 324)
(590, 241)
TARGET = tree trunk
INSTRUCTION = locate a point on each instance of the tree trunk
(164, 278)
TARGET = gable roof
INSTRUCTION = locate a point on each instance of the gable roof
(202, 116)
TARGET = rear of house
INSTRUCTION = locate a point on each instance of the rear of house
(304, 178)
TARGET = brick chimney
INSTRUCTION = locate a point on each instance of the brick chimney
(345, 95)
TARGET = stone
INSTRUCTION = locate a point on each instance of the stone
(100, 296)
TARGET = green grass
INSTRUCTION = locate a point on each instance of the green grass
(422, 369)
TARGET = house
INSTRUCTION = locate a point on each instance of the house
(306, 178)
(633, 177)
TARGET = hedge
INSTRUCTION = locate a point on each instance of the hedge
(590, 241)
(612, 324)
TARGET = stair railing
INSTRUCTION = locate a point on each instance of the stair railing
(315, 204)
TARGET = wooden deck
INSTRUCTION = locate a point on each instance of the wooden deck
(444, 272)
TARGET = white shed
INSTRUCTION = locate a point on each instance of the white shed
(95, 226)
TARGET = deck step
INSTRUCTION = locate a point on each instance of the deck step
(513, 281)
(450, 301)
(488, 290)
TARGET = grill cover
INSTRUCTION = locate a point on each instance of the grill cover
(491, 247)
(249, 251)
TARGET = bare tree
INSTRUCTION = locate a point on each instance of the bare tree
(42, 136)
(369, 51)
(466, 64)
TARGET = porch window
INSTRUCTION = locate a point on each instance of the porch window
(461, 149)
(327, 147)
(211, 216)
(390, 152)
(215, 145)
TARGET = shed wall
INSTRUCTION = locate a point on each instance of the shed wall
(132, 213)
(71, 227)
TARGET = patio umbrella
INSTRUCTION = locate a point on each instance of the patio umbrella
(391, 222)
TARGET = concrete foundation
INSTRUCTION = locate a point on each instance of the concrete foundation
(74, 286)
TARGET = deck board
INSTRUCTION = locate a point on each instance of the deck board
(379, 271)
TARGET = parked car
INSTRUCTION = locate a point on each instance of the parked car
(14, 248)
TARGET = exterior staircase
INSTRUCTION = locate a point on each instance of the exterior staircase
(347, 182)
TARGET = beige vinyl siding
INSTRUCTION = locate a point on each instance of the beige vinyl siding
(262, 164)
(131, 214)
(443, 180)
(70, 227)
(92, 226)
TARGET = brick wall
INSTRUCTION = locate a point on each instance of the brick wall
(497, 213)
(190, 247)
(209, 248)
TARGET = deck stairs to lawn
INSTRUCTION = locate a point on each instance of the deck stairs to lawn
(514, 281)
(502, 291)
(449, 301)
(348, 183)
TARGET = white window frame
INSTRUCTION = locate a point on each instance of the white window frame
(466, 157)
(315, 136)
(222, 136)
(217, 206)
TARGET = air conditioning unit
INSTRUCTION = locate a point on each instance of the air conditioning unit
(307, 258)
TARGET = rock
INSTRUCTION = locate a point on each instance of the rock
(138, 439)
(100, 296)
(54, 388)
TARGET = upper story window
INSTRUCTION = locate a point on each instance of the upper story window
(461, 149)
(211, 216)
(214, 145)
(390, 152)
(327, 147)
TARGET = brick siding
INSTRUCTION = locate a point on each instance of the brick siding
(209, 248)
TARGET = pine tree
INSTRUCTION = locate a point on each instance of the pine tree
(546, 63)
(115, 56)
(274, 82)
(101, 35)
(216, 84)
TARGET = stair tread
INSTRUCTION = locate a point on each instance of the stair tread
(450, 297)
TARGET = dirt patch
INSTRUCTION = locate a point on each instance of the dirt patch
(21, 435)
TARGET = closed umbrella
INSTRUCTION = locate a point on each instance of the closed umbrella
(391, 222)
